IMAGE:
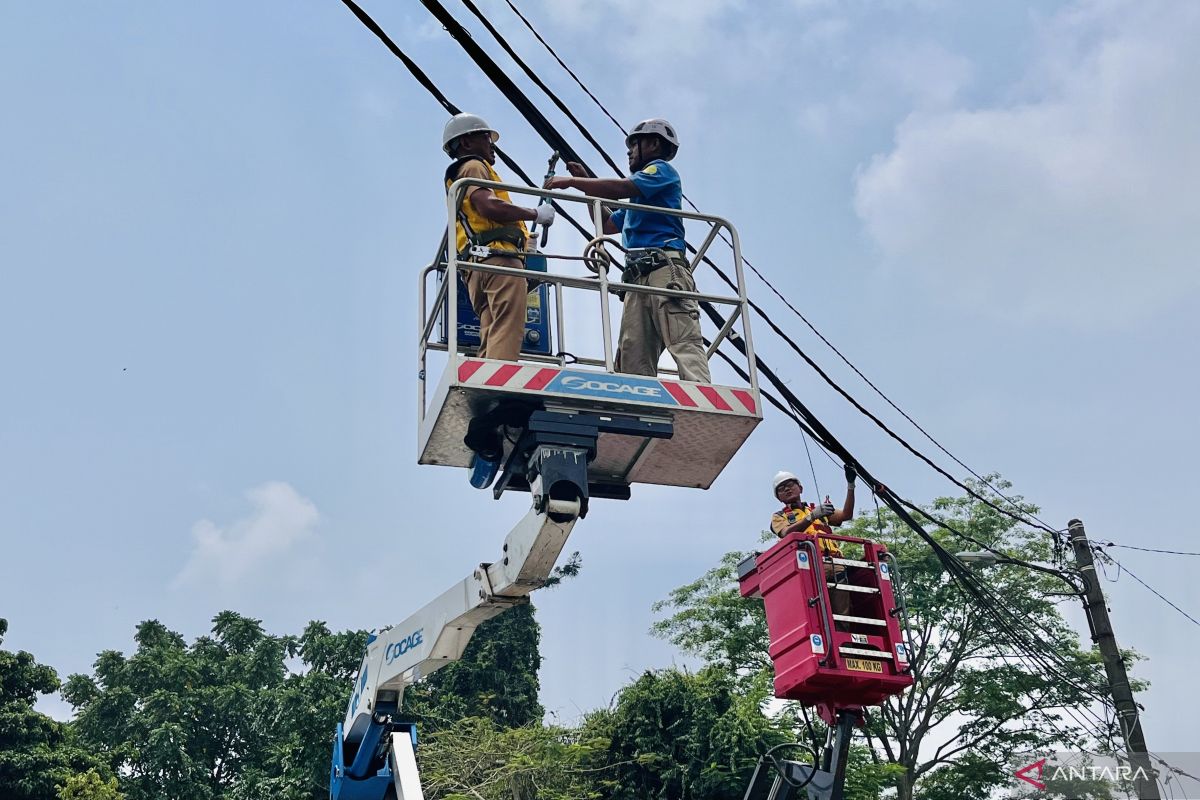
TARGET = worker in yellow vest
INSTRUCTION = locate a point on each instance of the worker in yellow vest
(819, 520)
(489, 221)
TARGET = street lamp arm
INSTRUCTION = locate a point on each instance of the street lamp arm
(990, 558)
(1077, 589)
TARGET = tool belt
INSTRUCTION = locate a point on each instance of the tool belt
(477, 248)
(639, 263)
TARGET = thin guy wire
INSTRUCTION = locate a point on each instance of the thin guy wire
(763, 278)
(1154, 591)
(991, 604)
(1150, 549)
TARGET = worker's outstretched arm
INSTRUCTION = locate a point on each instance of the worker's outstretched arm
(608, 188)
(491, 207)
(846, 512)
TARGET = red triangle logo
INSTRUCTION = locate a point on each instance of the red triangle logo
(1023, 774)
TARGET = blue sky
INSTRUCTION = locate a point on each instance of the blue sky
(213, 216)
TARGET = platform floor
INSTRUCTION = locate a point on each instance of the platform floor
(711, 422)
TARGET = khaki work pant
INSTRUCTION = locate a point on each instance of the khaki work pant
(500, 303)
(651, 324)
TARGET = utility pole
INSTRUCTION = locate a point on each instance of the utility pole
(1118, 678)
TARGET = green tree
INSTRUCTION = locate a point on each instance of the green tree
(674, 734)
(497, 676)
(233, 717)
(36, 752)
(179, 721)
(222, 718)
(298, 719)
(89, 786)
(476, 759)
(977, 698)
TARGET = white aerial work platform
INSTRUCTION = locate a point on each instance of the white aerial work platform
(708, 422)
(572, 428)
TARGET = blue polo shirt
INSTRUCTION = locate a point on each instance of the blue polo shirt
(658, 185)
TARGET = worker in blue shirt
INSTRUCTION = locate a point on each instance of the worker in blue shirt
(650, 323)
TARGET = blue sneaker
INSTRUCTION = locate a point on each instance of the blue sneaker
(482, 471)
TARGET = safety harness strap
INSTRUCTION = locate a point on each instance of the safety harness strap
(639, 263)
(509, 234)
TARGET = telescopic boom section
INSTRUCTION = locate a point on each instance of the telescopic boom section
(373, 751)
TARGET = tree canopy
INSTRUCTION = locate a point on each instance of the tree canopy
(977, 697)
(89, 786)
(37, 753)
(242, 714)
(223, 717)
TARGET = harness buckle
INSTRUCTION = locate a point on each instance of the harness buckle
(640, 263)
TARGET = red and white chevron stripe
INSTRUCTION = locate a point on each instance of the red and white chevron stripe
(711, 398)
(698, 396)
(473, 372)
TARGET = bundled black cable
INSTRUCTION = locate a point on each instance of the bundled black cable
(591, 139)
(1010, 624)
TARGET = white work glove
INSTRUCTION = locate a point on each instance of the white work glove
(545, 215)
(823, 511)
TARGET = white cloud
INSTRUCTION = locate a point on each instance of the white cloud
(685, 19)
(920, 75)
(1077, 198)
(281, 519)
(923, 71)
(679, 58)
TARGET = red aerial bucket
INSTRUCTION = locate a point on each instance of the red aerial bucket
(837, 660)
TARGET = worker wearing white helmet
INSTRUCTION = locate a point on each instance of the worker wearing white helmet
(650, 324)
(798, 516)
(490, 219)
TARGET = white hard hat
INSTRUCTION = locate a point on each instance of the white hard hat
(782, 477)
(461, 125)
(659, 127)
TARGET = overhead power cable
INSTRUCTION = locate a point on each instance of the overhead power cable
(1150, 549)
(1155, 592)
(547, 131)
(533, 76)
(558, 102)
(563, 64)
(1013, 625)
(499, 77)
(1010, 624)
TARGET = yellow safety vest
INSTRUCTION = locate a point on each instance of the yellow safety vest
(787, 516)
(472, 227)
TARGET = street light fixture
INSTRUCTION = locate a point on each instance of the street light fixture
(981, 557)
